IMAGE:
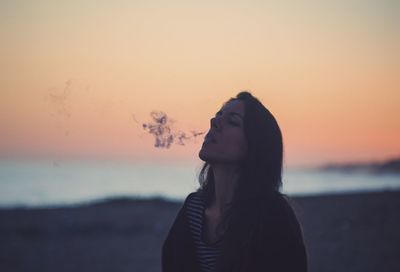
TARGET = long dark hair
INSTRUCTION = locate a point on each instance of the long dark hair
(263, 164)
(261, 176)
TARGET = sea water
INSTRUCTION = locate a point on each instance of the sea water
(48, 183)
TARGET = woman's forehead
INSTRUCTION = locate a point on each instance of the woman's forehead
(233, 106)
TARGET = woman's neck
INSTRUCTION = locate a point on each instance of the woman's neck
(225, 180)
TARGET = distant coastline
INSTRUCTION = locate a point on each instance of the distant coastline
(391, 166)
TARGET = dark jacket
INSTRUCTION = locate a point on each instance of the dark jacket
(271, 240)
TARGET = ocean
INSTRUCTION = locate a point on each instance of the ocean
(44, 183)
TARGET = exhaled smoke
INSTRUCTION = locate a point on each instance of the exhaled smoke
(61, 106)
(161, 128)
(60, 100)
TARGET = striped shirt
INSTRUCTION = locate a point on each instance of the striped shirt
(206, 253)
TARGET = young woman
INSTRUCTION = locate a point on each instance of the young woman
(238, 220)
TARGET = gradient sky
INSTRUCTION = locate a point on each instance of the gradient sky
(329, 71)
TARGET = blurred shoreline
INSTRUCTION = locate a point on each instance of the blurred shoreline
(389, 166)
(40, 184)
(343, 232)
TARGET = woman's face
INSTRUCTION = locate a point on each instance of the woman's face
(225, 141)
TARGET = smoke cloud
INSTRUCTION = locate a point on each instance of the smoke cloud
(161, 127)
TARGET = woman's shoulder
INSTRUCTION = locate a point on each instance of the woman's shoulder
(279, 216)
(193, 196)
(280, 219)
(280, 237)
(278, 204)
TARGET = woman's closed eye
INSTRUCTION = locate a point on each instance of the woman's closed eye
(233, 123)
(230, 121)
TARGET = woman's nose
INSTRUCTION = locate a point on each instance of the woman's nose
(215, 123)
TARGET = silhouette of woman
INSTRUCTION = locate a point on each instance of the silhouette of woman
(238, 220)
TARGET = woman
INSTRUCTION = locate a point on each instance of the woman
(238, 220)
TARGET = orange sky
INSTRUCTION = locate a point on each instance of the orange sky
(328, 72)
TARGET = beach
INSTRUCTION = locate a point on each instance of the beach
(344, 232)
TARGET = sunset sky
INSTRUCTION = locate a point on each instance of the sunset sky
(73, 73)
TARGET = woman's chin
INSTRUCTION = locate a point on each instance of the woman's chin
(204, 155)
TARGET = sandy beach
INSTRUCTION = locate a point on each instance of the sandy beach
(349, 232)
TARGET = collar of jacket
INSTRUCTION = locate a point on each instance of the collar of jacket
(178, 251)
